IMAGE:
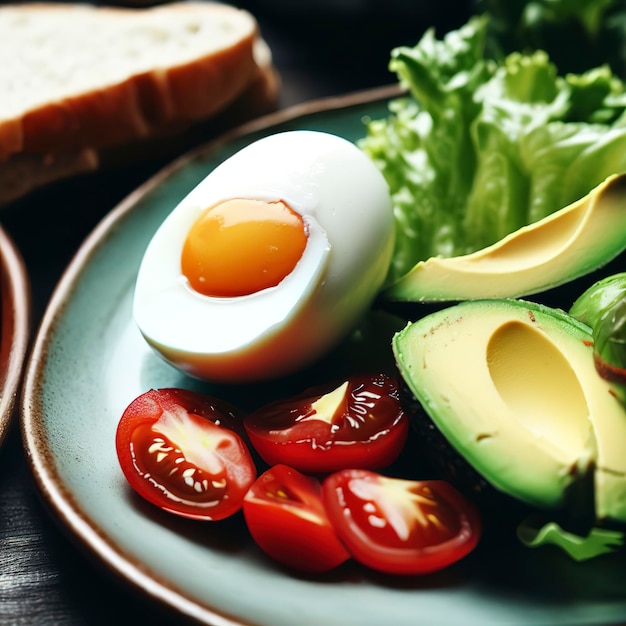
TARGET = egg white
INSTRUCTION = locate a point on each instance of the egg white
(345, 203)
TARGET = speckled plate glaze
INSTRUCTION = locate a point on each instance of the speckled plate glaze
(89, 362)
(15, 327)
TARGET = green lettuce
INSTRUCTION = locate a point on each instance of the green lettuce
(479, 147)
(577, 34)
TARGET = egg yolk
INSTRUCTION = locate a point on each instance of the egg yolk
(242, 246)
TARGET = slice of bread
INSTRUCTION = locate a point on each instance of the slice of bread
(24, 172)
(77, 78)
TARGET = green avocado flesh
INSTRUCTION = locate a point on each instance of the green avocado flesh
(570, 243)
(512, 387)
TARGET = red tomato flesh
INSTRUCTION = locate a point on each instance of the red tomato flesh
(287, 520)
(358, 423)
(400, 526)
(179, 450)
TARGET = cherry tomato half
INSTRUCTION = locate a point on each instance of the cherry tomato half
(285, 516)
(358, 423)
(400, 526)
(180, 451)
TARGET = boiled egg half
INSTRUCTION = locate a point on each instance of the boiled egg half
(269, 262)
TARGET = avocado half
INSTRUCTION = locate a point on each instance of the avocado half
(603, 308)
(511, 386)
(568, 244)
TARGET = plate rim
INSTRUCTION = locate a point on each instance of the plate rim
(15, 291)
(53, 492)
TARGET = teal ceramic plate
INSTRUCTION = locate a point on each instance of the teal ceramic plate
(14, 327)
(89, 362)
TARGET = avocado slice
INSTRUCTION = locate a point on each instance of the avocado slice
(570, 243)
(512, 387)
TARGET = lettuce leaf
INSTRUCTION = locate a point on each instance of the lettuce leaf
(478, 147)
(577, 34)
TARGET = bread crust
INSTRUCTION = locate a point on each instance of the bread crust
(23, 173)
(143, 102)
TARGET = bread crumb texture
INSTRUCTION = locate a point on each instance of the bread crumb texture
(81, 75)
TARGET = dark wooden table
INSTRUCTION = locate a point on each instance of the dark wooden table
(44, 577)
